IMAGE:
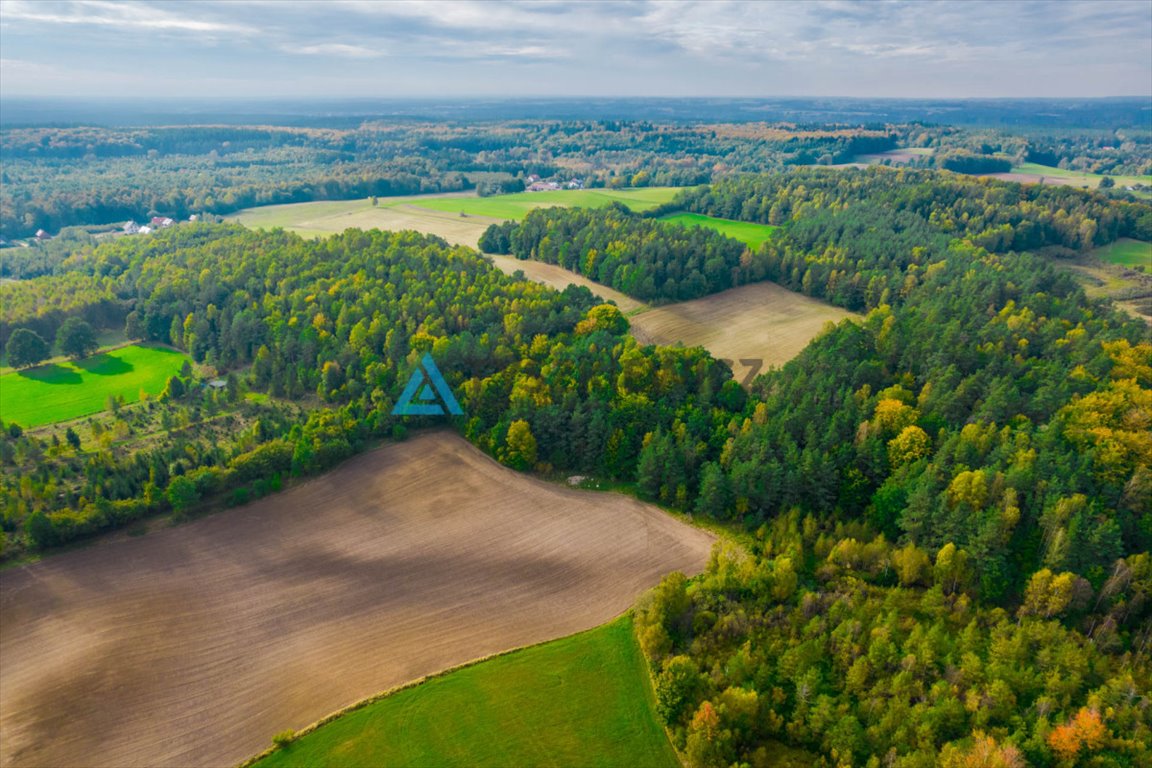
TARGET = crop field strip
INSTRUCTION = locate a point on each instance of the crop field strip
(194, 644)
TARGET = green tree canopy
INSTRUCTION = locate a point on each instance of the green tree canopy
(26, 348)
(76, 339)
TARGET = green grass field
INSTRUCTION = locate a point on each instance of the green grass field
(516, 206)
(328, 214)
(1126, 252)
(582, 700)
(1088, 179)
(752, 235)
(67, 390)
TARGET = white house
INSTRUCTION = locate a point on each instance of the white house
(131, 228)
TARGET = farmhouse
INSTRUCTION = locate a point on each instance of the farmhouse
(160, 222)
(131, 228)
(42, 235)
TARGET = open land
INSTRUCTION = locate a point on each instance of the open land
(1034, 173)
(752, 235)
(760, 321)
(192, 645)
(459, 218)
(1126, 252)
(582, 700)
(66, 390)
(560, 278)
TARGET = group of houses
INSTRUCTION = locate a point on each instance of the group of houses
(535, 184)
(157, 222)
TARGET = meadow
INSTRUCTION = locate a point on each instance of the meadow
(458, 218)
(752, 235)
(583, 700)
(1126, 252)
(1047, 174)
(516, 206)
(193, 645)
(69, 389)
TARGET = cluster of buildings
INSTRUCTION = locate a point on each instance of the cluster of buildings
(535, 184)
(157, 222)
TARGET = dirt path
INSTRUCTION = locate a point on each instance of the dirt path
(191, 646)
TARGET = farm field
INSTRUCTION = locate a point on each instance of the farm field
(439, 214)
(193, 645)
(1031, 173)
(762, 321)
(1126, 252)
(752, 235)
(582, 700)
(67, 390)
(516, 206)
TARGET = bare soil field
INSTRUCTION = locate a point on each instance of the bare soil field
(1037, 178)
(762, 321)
(559, 278)
(192, 645)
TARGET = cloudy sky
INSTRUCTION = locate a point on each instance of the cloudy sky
(407, 48)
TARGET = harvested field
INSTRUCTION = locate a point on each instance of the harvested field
(761, 321)
(559, 278)
(328, 218)
(193, 645)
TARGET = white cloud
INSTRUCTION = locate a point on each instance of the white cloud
(113, 14)
(342, 50)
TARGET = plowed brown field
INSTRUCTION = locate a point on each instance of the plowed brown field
(192, 645)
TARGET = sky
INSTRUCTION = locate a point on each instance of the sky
(258, 49)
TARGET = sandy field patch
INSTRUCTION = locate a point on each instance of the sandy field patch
(762, 321)
(559, 278)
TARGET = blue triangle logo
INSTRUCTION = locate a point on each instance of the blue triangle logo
(435, 398)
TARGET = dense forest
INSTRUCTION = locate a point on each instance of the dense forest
(647, 259)
(946, 508)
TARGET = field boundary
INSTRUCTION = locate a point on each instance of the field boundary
(311, 727)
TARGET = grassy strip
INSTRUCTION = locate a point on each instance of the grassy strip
(752, 235)
(516, 206)
(582, 700)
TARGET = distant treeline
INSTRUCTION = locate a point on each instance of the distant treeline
(59, 177)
